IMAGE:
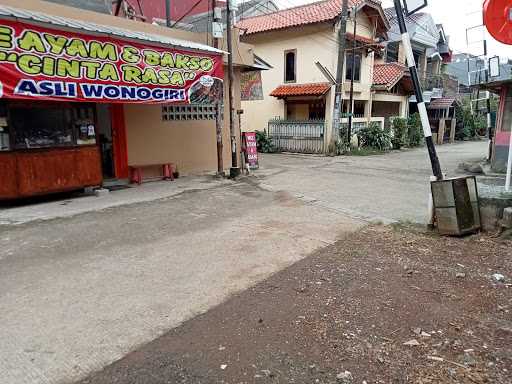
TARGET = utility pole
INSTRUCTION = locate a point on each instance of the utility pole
(168, 13)
(235, 170)
(338, 94)
(488, 102)
(353, 76)
(218, 104)
(411, 63)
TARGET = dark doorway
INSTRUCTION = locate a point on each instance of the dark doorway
(105, 140)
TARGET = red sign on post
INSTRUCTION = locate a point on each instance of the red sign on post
(48, 64)
(251, 149)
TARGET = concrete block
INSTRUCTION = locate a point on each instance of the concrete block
(101, 192)
(490, 216)
(506, 222)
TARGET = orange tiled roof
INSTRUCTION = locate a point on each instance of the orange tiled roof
(311, 89)
(387, 75)
(318, 12)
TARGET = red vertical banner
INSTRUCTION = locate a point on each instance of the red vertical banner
(119, 141)
(251, 149)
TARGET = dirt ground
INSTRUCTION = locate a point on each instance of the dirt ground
(345, 315)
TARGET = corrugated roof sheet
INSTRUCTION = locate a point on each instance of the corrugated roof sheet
(309, 89)
(58, 21)
(442, 103)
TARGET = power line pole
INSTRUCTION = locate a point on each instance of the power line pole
(411, 63)
(168, 13)
(338, 94)
(235, 170)
(218, 104)
(488, 102)
(353, 77)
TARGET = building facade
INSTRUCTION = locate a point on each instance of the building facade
(431, 51)
(85, 96)
(300, 45)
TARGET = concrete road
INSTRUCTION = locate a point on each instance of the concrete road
(77, 293)
(386, 188)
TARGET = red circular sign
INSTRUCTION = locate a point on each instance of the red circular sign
(498, 19)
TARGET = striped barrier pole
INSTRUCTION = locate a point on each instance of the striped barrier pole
(411, 63)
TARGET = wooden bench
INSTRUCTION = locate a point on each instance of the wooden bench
(137, 175)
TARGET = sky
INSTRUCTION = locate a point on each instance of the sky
(455, 15)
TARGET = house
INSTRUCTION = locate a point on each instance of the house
(300, 44)
(392, 87)
(432, 54)
(114, 95)
(430, 49)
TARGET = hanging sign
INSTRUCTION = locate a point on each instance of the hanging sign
(47, 64)
(251, 86)
(251, 149)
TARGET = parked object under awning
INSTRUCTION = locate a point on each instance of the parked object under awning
(310, 89)
(442, 103)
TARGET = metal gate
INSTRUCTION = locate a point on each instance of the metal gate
(297, 136)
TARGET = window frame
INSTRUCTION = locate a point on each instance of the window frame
(286, 52)
(348, 61)
(394, 48)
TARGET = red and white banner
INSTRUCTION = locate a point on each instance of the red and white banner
(48, 64)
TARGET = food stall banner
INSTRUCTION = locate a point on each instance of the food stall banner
(46, 64)
(251, 86)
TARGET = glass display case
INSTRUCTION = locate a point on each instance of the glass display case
(50, 125)
(47, 147)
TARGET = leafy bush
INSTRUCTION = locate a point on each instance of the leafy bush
(399, 138)
(342, 144)
(264, 142)
(414, 131)
(479, 125)
(374, 137)
(469, 125)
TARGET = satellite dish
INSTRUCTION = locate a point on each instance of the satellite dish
(498, 19)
